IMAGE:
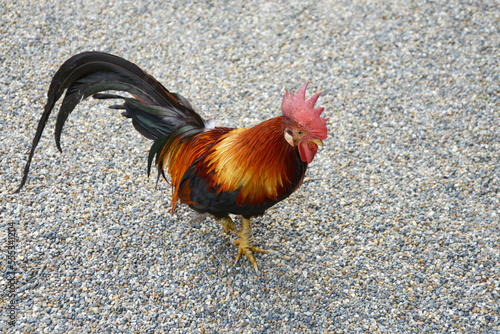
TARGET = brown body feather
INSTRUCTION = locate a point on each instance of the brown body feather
(254, 164)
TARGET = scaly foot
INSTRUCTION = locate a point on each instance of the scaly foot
(245, 243)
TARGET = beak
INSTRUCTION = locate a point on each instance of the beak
(317, 142)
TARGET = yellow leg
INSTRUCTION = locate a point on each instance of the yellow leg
(227, 225)
(245, 243)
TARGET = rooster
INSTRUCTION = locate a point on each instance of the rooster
(215, 170)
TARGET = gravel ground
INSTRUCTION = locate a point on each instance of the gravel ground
(396, 228)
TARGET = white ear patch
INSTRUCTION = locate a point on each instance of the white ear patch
(289, 139)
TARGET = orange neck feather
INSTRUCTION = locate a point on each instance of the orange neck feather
(256, 160)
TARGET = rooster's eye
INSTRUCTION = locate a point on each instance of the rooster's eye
(299, 132)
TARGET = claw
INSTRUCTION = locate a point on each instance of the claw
(245, 244)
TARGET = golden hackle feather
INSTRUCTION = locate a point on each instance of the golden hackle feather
(253, 160)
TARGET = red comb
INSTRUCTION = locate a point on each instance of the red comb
(303, 112)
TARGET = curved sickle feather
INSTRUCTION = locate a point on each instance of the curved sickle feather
(91, 72)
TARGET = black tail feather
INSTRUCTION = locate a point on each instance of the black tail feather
(36, 139)
(155, 112)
